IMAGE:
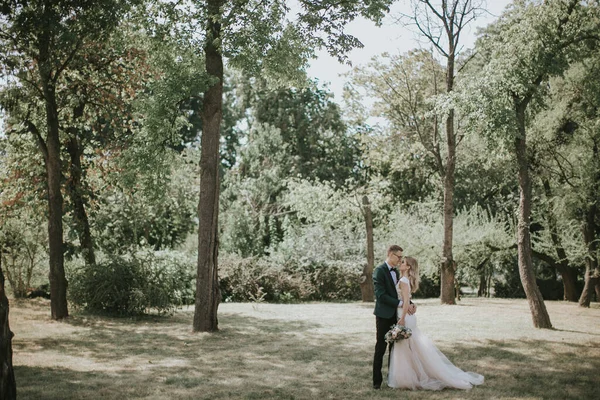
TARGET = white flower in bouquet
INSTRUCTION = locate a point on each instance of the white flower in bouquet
(397, 332)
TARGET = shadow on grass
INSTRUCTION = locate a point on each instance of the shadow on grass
(255, 358)
(532, 368)
(45, 383)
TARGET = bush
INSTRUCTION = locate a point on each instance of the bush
(132, 285)
(429, 287)
(256, 279)
(510, 287)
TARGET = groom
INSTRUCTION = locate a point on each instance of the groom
(385, 278)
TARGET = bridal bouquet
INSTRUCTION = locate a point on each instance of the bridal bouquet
(397, 332)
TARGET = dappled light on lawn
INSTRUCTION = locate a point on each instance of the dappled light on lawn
(301, 351)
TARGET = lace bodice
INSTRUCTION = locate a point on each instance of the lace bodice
(405, 280)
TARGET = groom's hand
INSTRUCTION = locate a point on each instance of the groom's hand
(412, 308)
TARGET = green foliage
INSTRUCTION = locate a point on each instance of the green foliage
(429, 287)
(419, 231)
(324, 22)
(295, 133)
(408, 149)
(133, 284)
(251, 190)
(566, 149)
(157, 209)
(23, 238)
(265, 279)
(310, 123)
(324, 224)
(531, 42)
(509, 284)
(23, 234)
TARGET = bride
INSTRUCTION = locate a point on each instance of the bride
(416, 363)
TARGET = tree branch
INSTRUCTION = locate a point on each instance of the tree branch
(36, 134)
(67, 60)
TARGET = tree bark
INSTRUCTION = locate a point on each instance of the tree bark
(482, 290)
(592, 268)
(448, 266)
(569, 278)
(58, 281)
(8, 385)
(75, 189)
(366, 278)
(591, 236)
(207, 284)
(539, 314)
(568, 275)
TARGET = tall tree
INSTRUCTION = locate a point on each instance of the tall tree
(442, 24)
(97, 92)
(207, 286)
(410, 149)
(254, 35)
(567, 154)
(531, 42)
(46, 36)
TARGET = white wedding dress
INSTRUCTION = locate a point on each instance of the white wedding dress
(416, 363)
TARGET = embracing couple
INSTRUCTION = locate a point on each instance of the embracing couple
(414, 363)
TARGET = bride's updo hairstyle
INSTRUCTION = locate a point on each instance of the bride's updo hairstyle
(413, 273)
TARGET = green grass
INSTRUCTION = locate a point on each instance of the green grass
(299, 351)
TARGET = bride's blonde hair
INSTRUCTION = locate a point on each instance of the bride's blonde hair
(413, 273)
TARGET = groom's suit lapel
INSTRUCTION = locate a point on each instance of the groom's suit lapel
(390, 278)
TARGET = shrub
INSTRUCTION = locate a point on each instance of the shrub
(254, 279)
(262, 279)
(129, 285)
(331, 280)
(429, 287)
(510, 287)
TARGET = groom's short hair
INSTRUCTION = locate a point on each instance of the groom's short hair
(394, 248)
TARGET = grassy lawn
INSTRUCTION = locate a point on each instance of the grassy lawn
(299, 351)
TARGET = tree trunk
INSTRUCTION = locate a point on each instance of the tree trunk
(592, 279)
(569, 279)
(366, 278)
(592, 268)
(591, 233)
(540, 316)
(8, 385)
(448, 265)
(207, 284)
(74, 186)
(58, 282)
(568, 275)
(482, 290)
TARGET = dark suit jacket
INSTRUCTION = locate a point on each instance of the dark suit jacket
(386, 295)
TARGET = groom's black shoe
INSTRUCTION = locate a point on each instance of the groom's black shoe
(377, 386)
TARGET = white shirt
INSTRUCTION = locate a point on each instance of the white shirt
(393, 274)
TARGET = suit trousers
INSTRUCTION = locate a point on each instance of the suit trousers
(383, 325)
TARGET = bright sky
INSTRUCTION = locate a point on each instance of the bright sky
(391, 38)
